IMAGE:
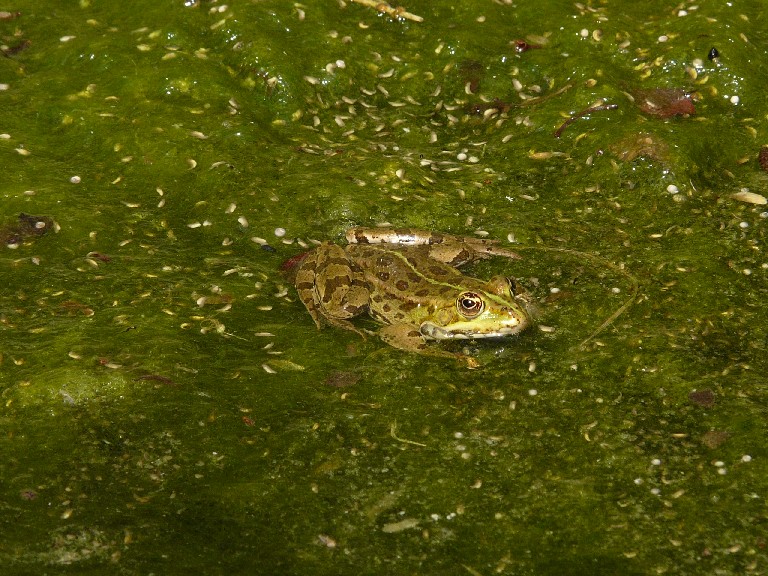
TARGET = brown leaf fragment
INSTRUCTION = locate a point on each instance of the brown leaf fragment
(290, 267)
(28, 494)
(523, 46)
(481, 108)
(74, 308)
(34, 225)
(714, 438)
(641, 145)
(704, 398)
(99, 256)
(341, 379)
(26, 227)
(156, 378)
(664, 102)
(762, 158)
(13, 50)
(4, 15)
(294, 262)
(471, 72)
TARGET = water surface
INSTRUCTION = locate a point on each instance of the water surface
(168, 406)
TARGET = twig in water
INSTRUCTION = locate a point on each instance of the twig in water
(392, 430)
(605, 262)
(392, 12)
(583, 113)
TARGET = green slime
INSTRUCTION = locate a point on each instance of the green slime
(168, 405)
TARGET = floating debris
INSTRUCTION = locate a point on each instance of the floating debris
(582, 114)
(749, 197)
(341, 379)
(396, 13)
(641, 145)
(664, 102)
(762, 158)
(283, 364)
(704, 398)
(13, 50)
(714, 438)
(404, 524)
(27, 227)
(523, 46)
(327, 541)
(393, 433)
(156, 378)
(471, 72)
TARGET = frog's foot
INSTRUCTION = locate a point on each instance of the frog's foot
(407, 337)
(340, 323)
(494, 250)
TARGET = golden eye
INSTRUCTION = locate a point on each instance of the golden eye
(469, 304)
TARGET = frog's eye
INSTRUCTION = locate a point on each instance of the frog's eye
(469, 304)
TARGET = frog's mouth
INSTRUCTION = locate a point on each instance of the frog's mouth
(466, 331)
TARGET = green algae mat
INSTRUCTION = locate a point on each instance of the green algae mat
(168, 406)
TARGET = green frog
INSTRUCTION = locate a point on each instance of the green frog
(409, 280)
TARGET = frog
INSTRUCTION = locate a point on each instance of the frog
(410, 281)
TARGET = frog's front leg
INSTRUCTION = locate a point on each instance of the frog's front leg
(447, 248)
(407, 337)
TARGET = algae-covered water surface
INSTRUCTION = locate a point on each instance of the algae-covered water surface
(168, 405)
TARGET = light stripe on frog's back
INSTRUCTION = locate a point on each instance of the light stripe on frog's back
(438, 279)
(394, 272)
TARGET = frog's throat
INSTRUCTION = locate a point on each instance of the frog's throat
(464, 332)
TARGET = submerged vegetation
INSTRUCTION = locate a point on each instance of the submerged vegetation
(168, 404)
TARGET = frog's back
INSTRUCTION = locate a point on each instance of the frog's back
(407, 273)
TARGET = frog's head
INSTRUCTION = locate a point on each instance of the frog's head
(498, 308)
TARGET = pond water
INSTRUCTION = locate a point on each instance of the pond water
(168, 405)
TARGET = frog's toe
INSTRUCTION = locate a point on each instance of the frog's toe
(346, 325)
